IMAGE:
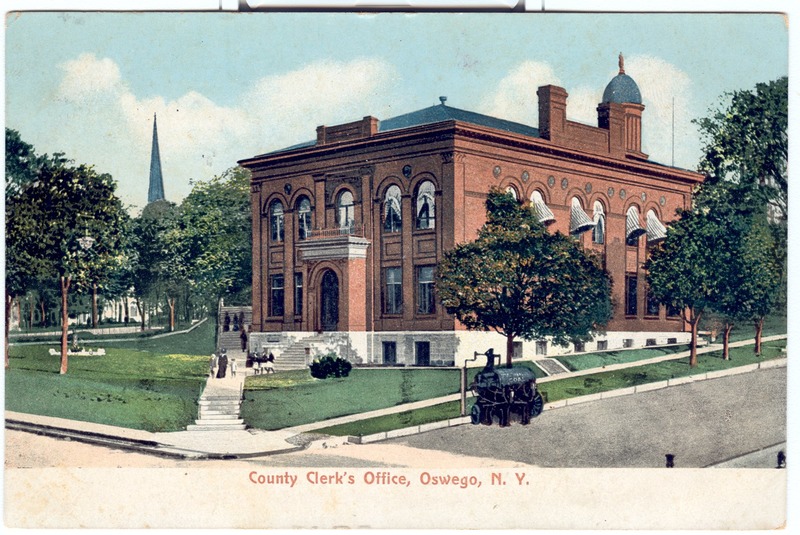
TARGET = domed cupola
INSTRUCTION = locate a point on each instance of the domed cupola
(622, 89)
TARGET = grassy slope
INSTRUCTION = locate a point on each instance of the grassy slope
(151, 385)
(570, 387)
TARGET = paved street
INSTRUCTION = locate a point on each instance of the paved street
(702, 424)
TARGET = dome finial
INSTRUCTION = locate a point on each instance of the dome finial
(621, 64)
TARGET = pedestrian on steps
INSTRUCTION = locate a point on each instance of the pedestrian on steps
(243, 337)
(212, 365)
(270, 365)
(222, 364)
(233, 367)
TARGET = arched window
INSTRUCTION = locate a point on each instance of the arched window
(345, 210)
(426, 206)
(276, 220)
(511, 190)
(599, 232)
(633, 229)
(392, 218)
(303, 218)
(656, 231)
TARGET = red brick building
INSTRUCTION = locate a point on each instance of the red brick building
(348, 229)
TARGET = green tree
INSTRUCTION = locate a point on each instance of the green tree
(150, 254)
(66, 224)
(682, 270)
(748, 283)
(747, 142)
(215, 237)
(522, 281)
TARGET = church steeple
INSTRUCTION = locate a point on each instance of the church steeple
(156, 190)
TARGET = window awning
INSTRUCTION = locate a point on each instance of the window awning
(632, 227)
(578, 220)
(538, 206)
(656, 231)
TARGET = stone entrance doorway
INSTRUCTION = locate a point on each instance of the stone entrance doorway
(329, 301)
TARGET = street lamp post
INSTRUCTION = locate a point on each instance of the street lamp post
(86, 242)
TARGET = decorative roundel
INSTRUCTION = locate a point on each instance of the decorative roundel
(564, 183)
(622, 194)
(287, 188)
(610, 192)
(662, 201)
(525, 176)
(406, 171)
(496, 171)
(551, 181)
(644, 196)
(588, 187)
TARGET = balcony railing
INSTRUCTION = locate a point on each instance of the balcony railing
(348, 230)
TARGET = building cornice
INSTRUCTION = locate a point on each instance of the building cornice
(451, 131)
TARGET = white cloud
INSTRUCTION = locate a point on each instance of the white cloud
(659, 82)
(87, 75)
(515, 97)
(199, 138)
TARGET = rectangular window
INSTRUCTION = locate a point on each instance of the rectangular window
(517, 350)
(627, 342)
(425, 300)
(602, 345)
(631, 296)
(652, 304)
(276, 295)
(580, 347)
(390, 353)
(673, 311)
(672, 340)
(298, 294)
(541, 347)
(423, 353)
(393, 291)
(650, 342)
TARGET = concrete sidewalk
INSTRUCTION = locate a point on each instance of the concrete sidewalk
(252, 443)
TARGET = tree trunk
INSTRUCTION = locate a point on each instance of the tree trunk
(65, 282)
(694, 321)
(19, 312)
(726, 336)
(141, 311)
(31, 308)
(94, 305)
(171, 303)
(9, 306)
(759, 330)
(509, 349)
(44, 318)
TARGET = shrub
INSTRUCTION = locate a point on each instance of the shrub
(330, 366)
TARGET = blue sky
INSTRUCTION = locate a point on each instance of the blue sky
(228, 86)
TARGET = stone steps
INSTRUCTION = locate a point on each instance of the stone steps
(232, 427)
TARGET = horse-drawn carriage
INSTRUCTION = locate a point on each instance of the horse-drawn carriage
(503, 392)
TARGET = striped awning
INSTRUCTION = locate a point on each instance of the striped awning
(656, 231)
(578, 220)
(541, 210)
(632, 227)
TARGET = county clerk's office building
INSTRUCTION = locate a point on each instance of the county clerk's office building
(348, 229)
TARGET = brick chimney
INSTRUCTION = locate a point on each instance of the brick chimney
(552, 112)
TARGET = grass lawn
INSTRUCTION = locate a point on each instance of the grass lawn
(598, 360)
(569, 387)
(651, 373)
(290, 398)
(142, 385)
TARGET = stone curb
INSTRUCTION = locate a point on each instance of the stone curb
(406, 431)
(648, 387)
